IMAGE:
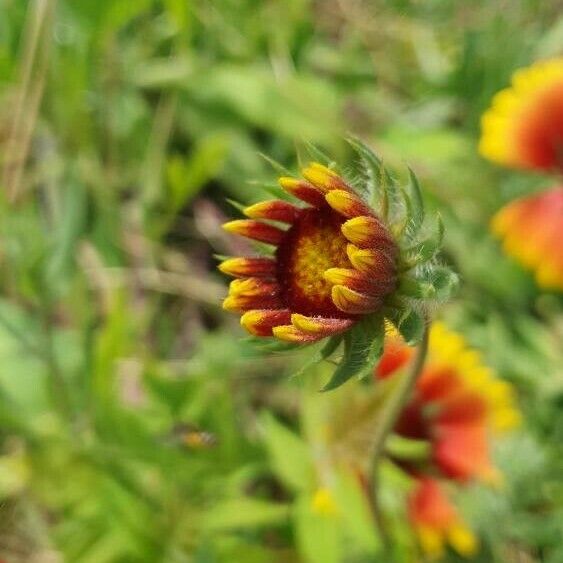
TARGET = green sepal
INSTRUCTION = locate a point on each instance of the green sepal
(319, 156)
(271, 345)
(278, 167)
(416, 288)
(416, 211)
(372, 168)
(363, 346)
(236, 204)
(271, 189)
(426, 249)
(410, 324)
(445, 282)
(321, 354)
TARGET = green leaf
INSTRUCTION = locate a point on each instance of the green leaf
(357, 517)
(410, 325)
(290, 455)
(319, 536)
(187, 177)
(326, 351)
(245, 513)
(363, 346)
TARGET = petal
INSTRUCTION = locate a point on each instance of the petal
(324, 178)
(371, 261)
(320, 326)
(347, 203)
(359, 281)
(261, 322)
(353, 302)
(367, 232)
(303, 191)
(242, 303)
(462, 453)
(255, 230)
(254, 286)
(245, 267)
(289, 333)
(252, 293)
(274, 210)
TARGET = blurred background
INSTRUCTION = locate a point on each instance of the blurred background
(136, 422)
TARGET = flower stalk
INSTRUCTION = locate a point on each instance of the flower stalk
(388, 420)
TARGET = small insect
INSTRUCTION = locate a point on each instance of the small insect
(192, 437)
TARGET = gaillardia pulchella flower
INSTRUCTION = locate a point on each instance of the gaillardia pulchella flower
(457, 407)
(437, 521)
(531, 228)
(347, 253)
(523, 128)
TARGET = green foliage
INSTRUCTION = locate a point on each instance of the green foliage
(136, 423)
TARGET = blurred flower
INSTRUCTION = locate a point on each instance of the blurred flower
(336, 262)
(457, 406)
(437, 522)
(323, 503)
(531, 228)
(523, 128)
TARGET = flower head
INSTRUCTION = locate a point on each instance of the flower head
(347, 254)
(436, 520)
(336, 261)
(457, 404)
(531, 228)
(523, 128)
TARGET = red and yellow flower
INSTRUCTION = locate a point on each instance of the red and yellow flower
(531, 228)
(457, 406)
(334, 261)
(523, 128)
(437, 522)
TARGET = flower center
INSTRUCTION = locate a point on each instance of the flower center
(311, 246)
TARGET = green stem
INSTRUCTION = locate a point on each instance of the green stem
(391, 413)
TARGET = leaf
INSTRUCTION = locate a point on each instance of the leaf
(326, 351)
(319, 536)
(410, 324)
(187, 177)
(363, 346)
(245, 513)
(357, 518)
(290, 455)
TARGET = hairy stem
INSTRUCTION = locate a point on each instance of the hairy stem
(388, 421)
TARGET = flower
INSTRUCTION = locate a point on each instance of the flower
(457, 406)
(437, 522)
(336, 262)
(323, 503)
(531, 228)
(523, 128)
